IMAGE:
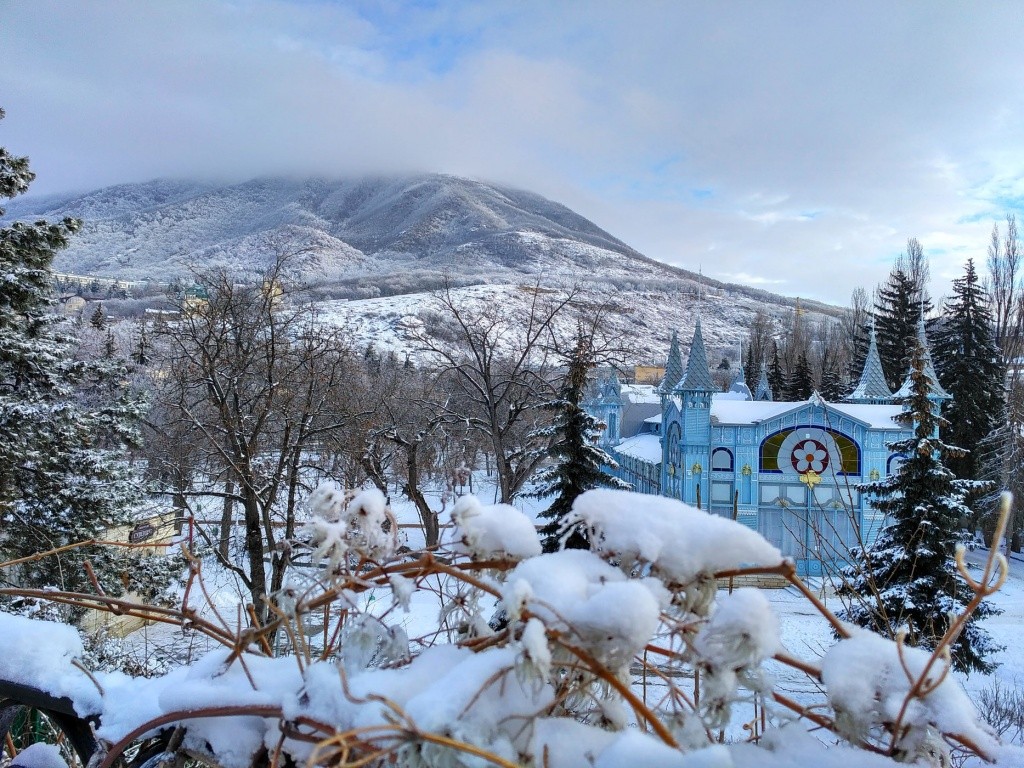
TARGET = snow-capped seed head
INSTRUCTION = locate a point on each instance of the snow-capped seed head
(499, 530)
(327, 501)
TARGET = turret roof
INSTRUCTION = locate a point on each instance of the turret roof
(673, 367)
(764, 389)
(872, 386)
(937, 393)
(698, 374)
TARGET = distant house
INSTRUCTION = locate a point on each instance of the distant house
(72, 305)
(787, 469)
(648, 374)
(194, 298)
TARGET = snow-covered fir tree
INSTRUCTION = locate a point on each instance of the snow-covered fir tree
(899, 303)
(908, 578)
(65, 423)
(578, 462)
(967, 361)
(799, 383)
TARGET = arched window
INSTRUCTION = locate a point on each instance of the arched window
(721, 460)
(893, 464)
(809, 447)
(674, 434)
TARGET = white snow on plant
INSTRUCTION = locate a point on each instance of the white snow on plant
(743, 630)
(593, 603)
(741, 633)
(210, 682)
(867, 685)
(346, 521)
(677, 541)
(500, 530)
(39, 756)
(39, 654)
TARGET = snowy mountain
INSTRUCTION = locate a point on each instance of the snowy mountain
(373, 237)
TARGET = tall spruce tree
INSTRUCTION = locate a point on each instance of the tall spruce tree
(967, 361)
(899, 304)
(799, 383)
(578, 462)
(64, 423)
(908, 578)
(776, 376)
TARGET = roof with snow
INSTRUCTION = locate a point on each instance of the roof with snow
(644, 447)
(725, 410)
(640, 394)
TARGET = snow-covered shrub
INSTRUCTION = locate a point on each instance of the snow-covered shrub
(627, 655)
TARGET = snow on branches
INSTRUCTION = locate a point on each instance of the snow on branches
(628, 654)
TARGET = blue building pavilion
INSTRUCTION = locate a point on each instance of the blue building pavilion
(786, 469)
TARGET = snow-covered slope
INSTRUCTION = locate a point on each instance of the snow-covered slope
(393, 239)
(439, 222)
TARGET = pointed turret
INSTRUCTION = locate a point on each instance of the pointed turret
(698, 374)
(764, 389)
(937, 393)
(673, 367)
(872, 387)
(739, 384)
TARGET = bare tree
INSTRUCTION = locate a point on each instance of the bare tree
(1005, 291)
(255, 382)
(408, 430)
(914, 264)
(498, 365)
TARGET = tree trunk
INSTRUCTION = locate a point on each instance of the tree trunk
(431, 529)
(254, 550)
(226, 517)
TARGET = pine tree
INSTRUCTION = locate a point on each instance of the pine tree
(578, 462)
(64, 423)
(776, 377)
(751, 367)
(909, 577)
(967, 363)
(98, 319)
(141, 355)
(832, 385)
(799, 384)
(898, 307)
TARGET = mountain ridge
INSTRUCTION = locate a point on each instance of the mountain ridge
(356, 230)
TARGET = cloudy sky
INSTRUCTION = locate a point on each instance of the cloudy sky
(790, 145)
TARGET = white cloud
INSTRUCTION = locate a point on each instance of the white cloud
(822, 135)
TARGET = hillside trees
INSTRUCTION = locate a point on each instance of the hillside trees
(256, 384)
(908, 578)
(65, 423)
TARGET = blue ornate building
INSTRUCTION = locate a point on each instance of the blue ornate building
(787, 469)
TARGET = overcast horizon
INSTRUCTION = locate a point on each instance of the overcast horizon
(790, 146)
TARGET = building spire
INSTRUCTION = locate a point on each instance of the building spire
(872, 387)
(673, 366)
(938, 393)
(764, 389)
(698, 374)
